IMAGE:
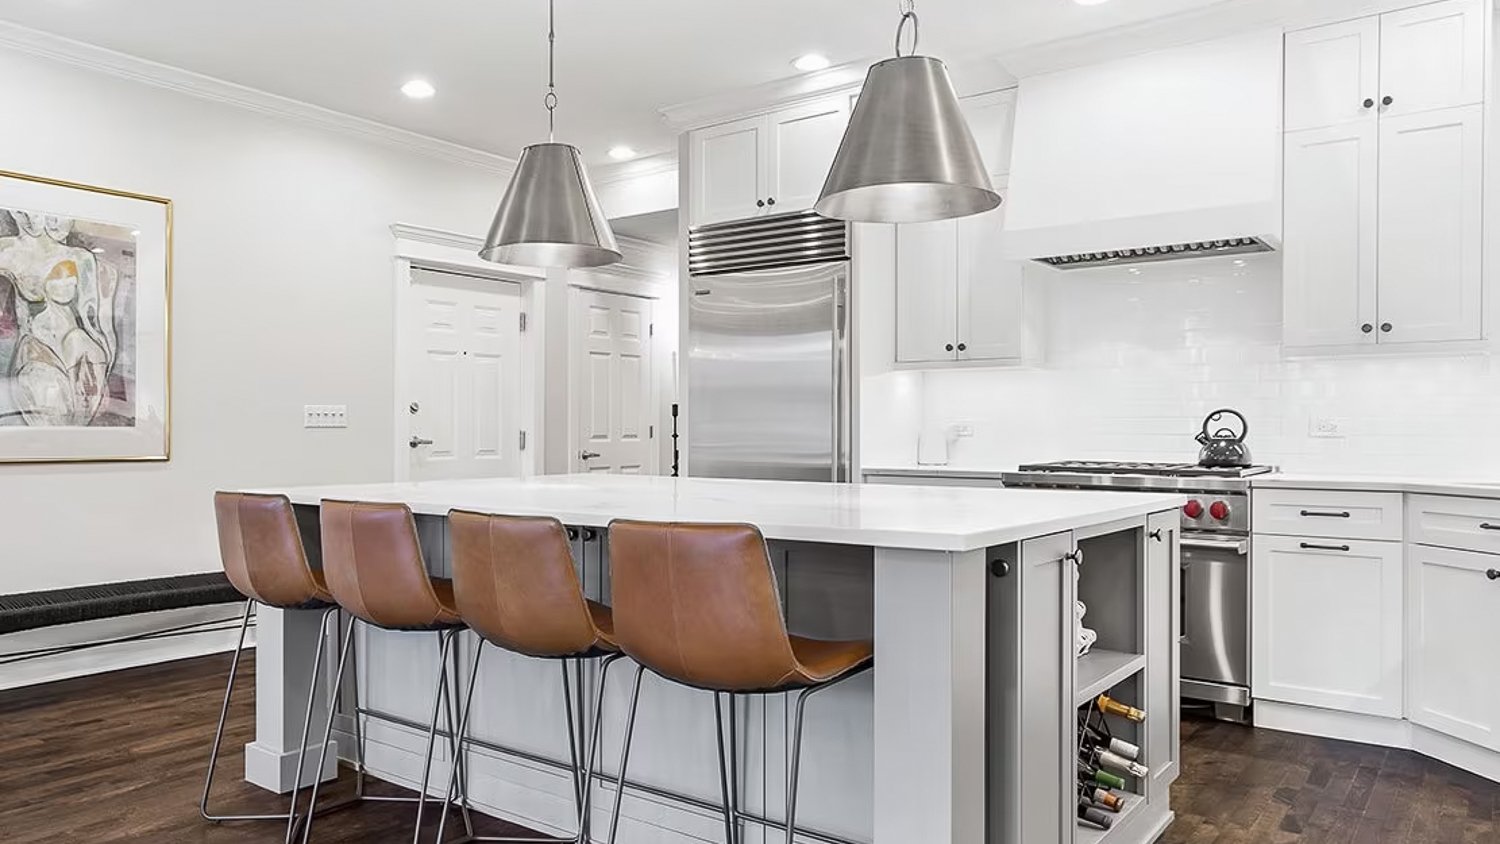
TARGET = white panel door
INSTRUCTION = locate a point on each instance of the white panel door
(1327, 623)
(1330, 246)
(990, 295)
(926, 289)
(804, 141)
(612, 395)
(1432, 57)
(727, 172)
(1431, 238)
(1331, 73)
(463, 373)
(1454, 612)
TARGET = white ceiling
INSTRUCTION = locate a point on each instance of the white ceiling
(619, 61)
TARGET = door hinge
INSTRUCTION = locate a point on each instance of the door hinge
(523, 321)
(523, 440)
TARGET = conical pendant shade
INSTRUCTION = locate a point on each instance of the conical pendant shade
(550, 216)
(908, 155)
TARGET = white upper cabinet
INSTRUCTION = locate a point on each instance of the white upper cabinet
(1332, 74)
(1431, 198)
(768, 164)
(926, 292)
(992, 119)
(1329, 236)
(1432, 57)
(990, 318)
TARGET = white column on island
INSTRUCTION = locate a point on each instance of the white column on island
(929, 695)
(284, 646)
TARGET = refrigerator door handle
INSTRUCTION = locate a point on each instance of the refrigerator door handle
(841, 413)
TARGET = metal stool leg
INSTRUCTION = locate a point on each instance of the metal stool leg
(725, 788)
(338, 682)
(312, 696)
(458, 760)
(734, 768)
(213, 756)
(584, 820)
(445, 641)
(635, 699)
(463, 730)
(796, 757)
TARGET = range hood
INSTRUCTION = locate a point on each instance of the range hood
(1169, 155)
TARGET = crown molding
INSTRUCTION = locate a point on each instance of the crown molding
(436, 237)
(640, 168)
(46, 45)
(764, 97)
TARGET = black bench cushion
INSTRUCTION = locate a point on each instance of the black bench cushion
(31, 610)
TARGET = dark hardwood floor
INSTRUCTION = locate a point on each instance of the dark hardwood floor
(119, 757)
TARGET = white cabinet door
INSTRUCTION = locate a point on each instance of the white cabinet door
(1331, 72)
(1432, 57)
(1330, 247)
(1163, 652)
(728, 171)
(926, 289)
(989, 316)
(1046, 774)
(992, 119)
(1455, 622)
(803, 142)
(1327, 623)
(1431, 200)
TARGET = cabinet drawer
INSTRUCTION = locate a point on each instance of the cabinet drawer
(1338, 514)
(1469, 524)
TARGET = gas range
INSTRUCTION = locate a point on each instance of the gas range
(1106, 474)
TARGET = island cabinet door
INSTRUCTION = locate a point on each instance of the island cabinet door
(1163, 666)
(1453, 625)
(1031, 693)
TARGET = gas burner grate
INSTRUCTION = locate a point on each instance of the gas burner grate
(1113, 467)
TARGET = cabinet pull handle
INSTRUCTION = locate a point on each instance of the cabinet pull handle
(1386, 327)
(1387, 100)
(1488, 526)
(1367, 328)
(963, 347)
(1493, 574)
(1369, 102)
(1156, 535)
(948, 348)
(999, 567)
(771, 201)
(1324, 514)
(1313, 546)
(760, 203)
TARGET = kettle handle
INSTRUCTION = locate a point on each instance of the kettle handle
(1216, 415)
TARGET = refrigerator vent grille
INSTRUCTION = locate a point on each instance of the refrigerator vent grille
(1149, 254)
(765, 243)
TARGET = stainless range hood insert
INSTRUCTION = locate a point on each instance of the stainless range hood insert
(1150, 254)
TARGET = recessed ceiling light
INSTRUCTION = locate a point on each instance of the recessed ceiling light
(621, 153)
(811, 62)
(418, 89)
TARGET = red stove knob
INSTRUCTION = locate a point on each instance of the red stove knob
(1193, 509)
(1219, 510)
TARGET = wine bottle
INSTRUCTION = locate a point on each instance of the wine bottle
(1092, 815)
(1110, 706)
(1102, 796)
(1091, 773)
(1113, 745)
(1119, 764)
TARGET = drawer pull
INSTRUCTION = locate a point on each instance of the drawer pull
(1488, 526)
(1493, 574)
(1311, 546)
(1325, 514)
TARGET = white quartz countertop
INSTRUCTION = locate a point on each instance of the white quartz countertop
(925, 518)
(1475, 487)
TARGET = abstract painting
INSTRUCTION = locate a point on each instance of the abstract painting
(84, 290)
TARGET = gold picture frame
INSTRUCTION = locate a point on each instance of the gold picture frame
(85, 322)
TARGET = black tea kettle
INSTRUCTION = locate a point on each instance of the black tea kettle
(1223, 447)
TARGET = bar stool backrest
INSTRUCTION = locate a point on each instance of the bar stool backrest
(515, 584)
(698, 604)
(262, 551)
(373, 562)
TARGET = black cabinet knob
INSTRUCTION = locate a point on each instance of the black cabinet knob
(1369, 103)
(1493, 574)
(963, 347)
(1367, 328)
(1387, 100)
(999, 567)
(1386, 327)
(760, 203)
(771, 201)
(948, 348)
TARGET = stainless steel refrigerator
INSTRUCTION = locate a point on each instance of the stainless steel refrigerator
(768, 369)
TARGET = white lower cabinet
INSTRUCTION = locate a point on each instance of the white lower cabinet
(1327, 623)
(1453, 626)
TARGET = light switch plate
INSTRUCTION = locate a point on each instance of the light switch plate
(1328, 427)
(325, 416)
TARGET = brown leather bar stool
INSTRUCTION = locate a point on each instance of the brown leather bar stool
(698, 605)
(376, 573)
(518, 590)
(263, 557)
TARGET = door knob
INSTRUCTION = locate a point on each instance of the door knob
(418, 442)
(587, 455)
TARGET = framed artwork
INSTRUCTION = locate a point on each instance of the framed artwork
(85, 304)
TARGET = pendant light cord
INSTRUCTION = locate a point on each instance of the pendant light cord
(908, 15)
(551, 99)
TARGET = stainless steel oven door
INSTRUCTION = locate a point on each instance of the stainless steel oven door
(1215, 611)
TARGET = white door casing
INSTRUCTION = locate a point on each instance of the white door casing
(462, 376)
(614, 406)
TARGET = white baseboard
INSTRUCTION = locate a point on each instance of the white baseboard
(1385, 732)
(115, 657)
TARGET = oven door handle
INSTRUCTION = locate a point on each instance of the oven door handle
(1237, 546)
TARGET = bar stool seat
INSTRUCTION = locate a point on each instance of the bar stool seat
(822, 660)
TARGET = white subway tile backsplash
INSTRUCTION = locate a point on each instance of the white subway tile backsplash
(1133, 363)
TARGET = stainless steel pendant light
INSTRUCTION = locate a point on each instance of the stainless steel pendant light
(908, 155)
(549, 216)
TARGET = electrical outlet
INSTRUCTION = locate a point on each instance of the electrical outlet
(325, 416)
(960, 431)
(1327, 427)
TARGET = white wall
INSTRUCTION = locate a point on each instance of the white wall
(283, 297)
(1135, 361)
